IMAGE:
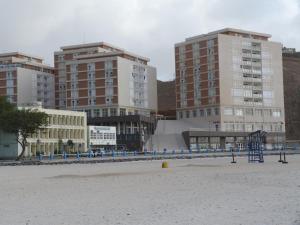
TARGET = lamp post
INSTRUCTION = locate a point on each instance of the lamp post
(209, 134)
(277, 134)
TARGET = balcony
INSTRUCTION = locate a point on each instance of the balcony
(257, 96)
(257, 56)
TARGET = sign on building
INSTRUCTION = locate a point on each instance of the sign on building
(102, 135)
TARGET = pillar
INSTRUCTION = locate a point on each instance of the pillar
(222, 142)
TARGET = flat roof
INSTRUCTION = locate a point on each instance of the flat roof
(8, 54)
(89, 45)
(107, 54)
(100, 45)
(223, 31)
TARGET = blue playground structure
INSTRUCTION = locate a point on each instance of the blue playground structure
(256, 146)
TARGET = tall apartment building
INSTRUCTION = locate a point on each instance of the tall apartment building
(230, 80)
(113, 86)
(25, 79)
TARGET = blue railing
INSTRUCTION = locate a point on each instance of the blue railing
(146, 153)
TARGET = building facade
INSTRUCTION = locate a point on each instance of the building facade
(231, 80)
(62, 126)
(102, 138)
(25, 79)
(106, 82)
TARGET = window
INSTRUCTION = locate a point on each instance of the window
(187, 114)
(258, 112)
(194, 113)
(9, 83)
(211, 75)
(88, 113)
(238, 112)
(276, 113)
(122, 112)
(105, 112)
(237, 92)
(10, 91)
(96, 112)
(210, 43)
(208, 112)
(61, 57)
(108, 100)
(249, 112)
(228, 111)
(211, 92)
(268, 94)
(180, 115)
(216, 111)
(248, 93)
(113, 112)
(201, 112)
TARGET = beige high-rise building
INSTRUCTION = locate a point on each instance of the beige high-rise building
(113, 86)
(104, 80)
(25, 79)
(230, 80)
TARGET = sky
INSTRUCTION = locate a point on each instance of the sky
(147, 28)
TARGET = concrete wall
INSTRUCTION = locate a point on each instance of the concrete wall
(27, 87)
(8, 146)
(125, 85)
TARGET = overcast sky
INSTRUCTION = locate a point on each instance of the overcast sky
(146, 27)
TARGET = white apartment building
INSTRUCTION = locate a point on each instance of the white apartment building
(25, 79)
(230, 80)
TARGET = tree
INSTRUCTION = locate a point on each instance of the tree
(5, 106)
(23, 123)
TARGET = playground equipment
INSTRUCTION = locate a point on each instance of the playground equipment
(256, 145)
(284, 159)
(280, 159)
(233, 159)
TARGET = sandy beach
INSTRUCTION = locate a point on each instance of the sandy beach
(197, 191)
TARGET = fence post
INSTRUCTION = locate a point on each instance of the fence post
(65, 155)
(165, 151)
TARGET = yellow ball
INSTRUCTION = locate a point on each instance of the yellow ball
(164, 165)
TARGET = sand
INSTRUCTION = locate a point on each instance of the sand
(197, 191)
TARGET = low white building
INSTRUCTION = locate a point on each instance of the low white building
(100, 137)
(62, 126)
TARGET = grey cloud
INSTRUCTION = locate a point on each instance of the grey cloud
(40, 27)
